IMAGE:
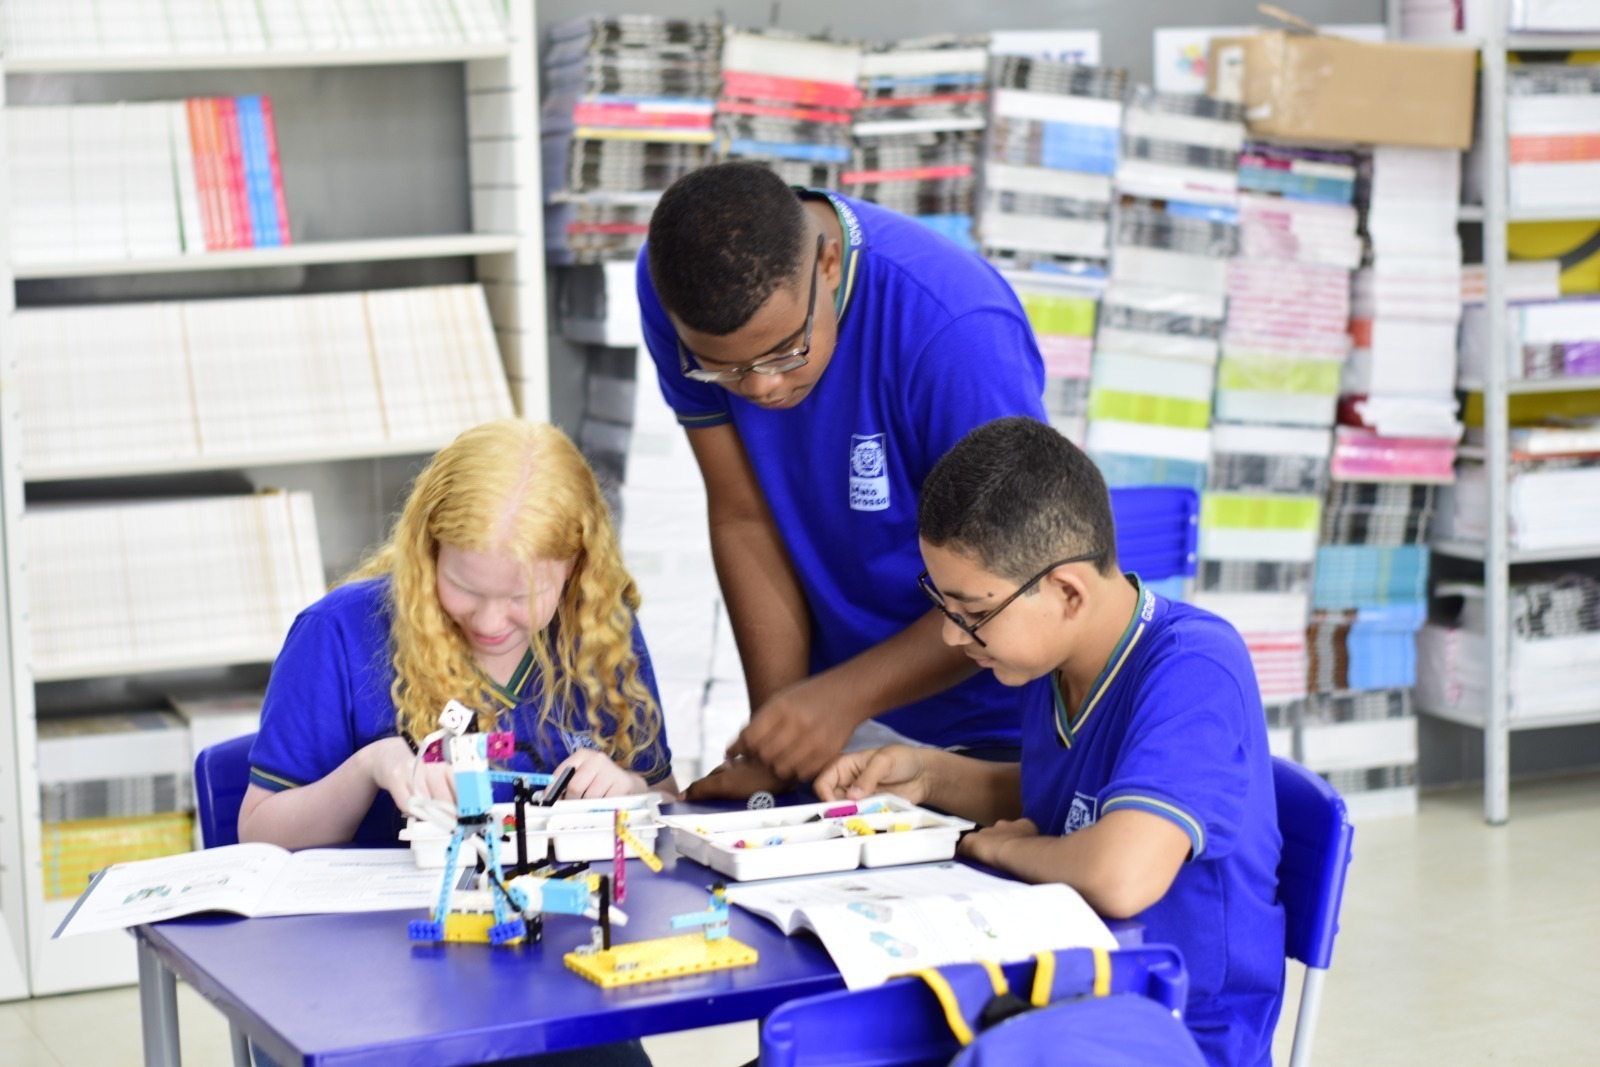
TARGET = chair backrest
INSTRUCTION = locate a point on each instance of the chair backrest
(1158, 528)
(221, 776)
(1316, 855)
(902, 1024)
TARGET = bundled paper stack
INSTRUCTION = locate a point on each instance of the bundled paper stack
(919, 131)
(138, 181)
(627, 110)
(49, 29)
(1554, 16)
(1051, 153)
(1554, 495)
(789, 102)
(1548, 337)
(112, 387)
(1434, 20)
(1161, 319)
(1061, 311)
(1555, 650)
(1553, 117)
(141, 587)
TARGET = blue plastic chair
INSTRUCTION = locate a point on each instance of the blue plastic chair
(901, 1023)
(221, 776)
(1316, 856)
(1158, 529)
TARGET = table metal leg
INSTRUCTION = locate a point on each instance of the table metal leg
(158, 1010)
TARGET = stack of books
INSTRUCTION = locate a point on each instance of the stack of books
(1052, 150)
(146, 586)
(789, 102)
(1549, 337)
(1553, 117)
(120, 387)
(1554, 16)
(1555, 650)
(1061, 311)
(49, 29)
(627, 111)
(919, 131)
(1161, 319)
(1555, 479)
(132, 181)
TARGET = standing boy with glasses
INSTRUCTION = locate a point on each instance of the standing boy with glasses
(1145, 781)
(822, 354)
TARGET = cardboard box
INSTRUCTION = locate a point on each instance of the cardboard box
(1315, 88)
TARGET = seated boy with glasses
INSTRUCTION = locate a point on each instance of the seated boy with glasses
(822, 353)
(1145, 781)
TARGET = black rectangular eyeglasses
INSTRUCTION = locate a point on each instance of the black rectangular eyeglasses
(971, 628)
(778, 364)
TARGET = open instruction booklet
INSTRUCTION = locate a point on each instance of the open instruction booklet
(880, 923)
(254, 880)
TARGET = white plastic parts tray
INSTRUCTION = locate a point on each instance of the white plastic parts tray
(803, 839)
(582, 830)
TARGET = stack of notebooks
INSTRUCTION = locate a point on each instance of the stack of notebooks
(113, 387)
(1555, 651)
(146, 586)
(789, 102)
(1051, 152)
(1553, 116)
(1277, 384)
(132, 181)
(1061, 311)
(49, 29)
(1553, 16)
(627, 110)
(919, 131)
(1161, 319)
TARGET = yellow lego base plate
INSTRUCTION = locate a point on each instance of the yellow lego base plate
(665, 957)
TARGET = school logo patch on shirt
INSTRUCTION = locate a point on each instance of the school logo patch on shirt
(869, 477)
(1082, 812)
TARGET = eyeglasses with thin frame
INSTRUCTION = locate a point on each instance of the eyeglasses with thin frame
(778, 364)
(971, 628)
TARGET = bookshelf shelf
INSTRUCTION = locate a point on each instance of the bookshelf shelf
(1469, 213)
(1552, 42)
(296, 255)
(234, 461)
(158, 665)
(1474, 717)
(1474, 550)
(1524, 386)
(1555, 214)
(111, 64)
(310, 395)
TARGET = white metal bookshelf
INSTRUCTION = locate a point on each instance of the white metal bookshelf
(1495, 552)
(506, 248)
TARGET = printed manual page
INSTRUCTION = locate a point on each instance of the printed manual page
(880, 923)
(253, 880)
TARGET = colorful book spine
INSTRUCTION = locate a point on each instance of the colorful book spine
(269, 131)
(200, 134)
(236, 189)
(258, 172)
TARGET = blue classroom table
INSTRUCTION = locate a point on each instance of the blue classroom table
(351, 990)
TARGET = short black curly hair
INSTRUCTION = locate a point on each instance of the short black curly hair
(1014, 494)
(722, 240)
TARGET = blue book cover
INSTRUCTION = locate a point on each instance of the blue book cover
(258, 173)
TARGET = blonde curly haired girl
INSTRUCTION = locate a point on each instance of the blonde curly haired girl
(501, 586)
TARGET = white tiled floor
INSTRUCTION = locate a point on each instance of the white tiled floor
(1461, 944)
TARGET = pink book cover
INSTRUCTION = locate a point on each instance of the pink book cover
(237, 191)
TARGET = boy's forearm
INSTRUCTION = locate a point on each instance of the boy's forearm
(1120, 865)
(975, 789)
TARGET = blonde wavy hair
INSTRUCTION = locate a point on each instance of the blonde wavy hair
(521, 489)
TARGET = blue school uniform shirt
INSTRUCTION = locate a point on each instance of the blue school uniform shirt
(932, 343)
(329, 695)
(1174, 727)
